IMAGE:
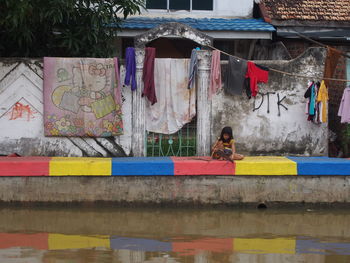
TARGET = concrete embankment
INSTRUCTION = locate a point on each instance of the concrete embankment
(223, 190)
(176, 181)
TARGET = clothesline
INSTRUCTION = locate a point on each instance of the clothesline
(322, 45)
(283, 72)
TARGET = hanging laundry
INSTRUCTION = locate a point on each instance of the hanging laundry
(215, 73)
(255, 74)
(332, 58)
(344, 108)
(130, 66)
(322, 98)
(81, 97)
(193, 69)
(234, 81)
(318, 105)
(310, 95)
(312, 100)
(176, 104)
(314, 107)
(148, 75)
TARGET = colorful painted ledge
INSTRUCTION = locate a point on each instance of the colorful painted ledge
(172, 166)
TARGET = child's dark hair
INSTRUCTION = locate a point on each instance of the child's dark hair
(227, 130)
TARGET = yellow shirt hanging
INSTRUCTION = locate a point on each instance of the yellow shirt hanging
(323, 97)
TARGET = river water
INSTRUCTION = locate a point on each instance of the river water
(124, 235)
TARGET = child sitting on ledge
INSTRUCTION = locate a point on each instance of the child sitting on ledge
(224, 148)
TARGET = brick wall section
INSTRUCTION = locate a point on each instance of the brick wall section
(297, 47)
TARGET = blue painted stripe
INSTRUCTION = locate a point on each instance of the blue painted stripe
(321, 166)
(140, 244)
(142, 166)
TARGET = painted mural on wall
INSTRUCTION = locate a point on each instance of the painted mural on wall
(82, 97)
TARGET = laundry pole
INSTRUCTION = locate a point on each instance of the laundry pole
(138, 109)
(203, 103)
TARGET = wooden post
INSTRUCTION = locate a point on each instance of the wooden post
(203, 103)
(138, 109)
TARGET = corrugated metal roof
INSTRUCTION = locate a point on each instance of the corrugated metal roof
(204, 24)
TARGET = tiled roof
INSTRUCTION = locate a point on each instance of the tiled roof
(204, 24)
(309, 10)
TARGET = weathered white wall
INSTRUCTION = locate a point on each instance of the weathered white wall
(256, 132)
(23, 132)
(259, 132)
(222, 8)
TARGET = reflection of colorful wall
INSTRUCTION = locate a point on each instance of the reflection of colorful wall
(264, 245)
(182, 246)
(307, 246)
(37, 241)
(140, 244)
(59, 241)
(171, 166)
(192, 247)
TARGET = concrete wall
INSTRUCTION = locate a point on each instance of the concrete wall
(279, 131)
(21, 81)
(191, 191)
(256, 132)
(222, 8)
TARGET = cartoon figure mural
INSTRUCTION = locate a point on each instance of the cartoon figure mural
(82, 97)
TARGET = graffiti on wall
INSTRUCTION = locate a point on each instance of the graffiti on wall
(266, 95)
(21, 111)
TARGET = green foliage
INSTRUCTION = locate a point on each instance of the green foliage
(37, 28)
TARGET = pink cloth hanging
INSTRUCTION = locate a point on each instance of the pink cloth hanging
(215, 73)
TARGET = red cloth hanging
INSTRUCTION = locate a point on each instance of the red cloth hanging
(256, 74)
(148, 75)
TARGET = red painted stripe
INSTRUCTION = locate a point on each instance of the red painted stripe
(202, 166)
(193, 247)
(24, 166)
(36, 241)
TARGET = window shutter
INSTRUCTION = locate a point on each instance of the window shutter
(180, 4)
(202, 4)
(156, 4)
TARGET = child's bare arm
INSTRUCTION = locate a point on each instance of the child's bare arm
(233, 147)
(217, 146)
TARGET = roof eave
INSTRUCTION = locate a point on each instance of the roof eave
(309, 23)
(214, 34)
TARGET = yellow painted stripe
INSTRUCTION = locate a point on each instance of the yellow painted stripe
(265, 165)
(59, 241)
(264, 245)
(80, 166)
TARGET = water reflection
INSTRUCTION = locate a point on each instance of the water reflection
(139, 235)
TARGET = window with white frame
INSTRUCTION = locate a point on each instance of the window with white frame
(180, 4)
